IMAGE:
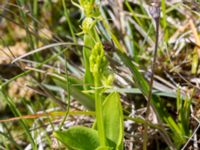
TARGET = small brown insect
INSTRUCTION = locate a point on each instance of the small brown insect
(8, 71)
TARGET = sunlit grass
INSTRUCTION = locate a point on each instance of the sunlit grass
(88, 63)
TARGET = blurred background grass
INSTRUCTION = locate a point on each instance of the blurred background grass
(38, 83)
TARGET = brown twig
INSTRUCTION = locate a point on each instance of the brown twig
(155, 12)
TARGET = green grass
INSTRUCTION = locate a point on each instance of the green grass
(95, 58)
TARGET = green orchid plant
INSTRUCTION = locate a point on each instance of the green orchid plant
(107, 131)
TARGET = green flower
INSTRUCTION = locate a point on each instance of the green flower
(107, 79)
(87, 24)
(99, 65)
(97, 59)
(90, 9)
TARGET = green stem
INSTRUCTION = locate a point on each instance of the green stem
(99, 113)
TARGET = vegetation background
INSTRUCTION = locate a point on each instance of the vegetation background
(53, 78)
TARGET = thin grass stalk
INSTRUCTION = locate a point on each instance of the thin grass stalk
(24, 19)
(66, 13)
(9, 136)
(23, 123)
(156, 17)
(68, 97)
(164, 20)
(35, 25)
(40, 122)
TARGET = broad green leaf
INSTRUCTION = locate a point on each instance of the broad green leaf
(104, 148)
(113, 120)
(79, 138)
(84, 99)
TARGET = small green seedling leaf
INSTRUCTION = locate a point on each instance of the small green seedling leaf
(113, 120)
(79, 138)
